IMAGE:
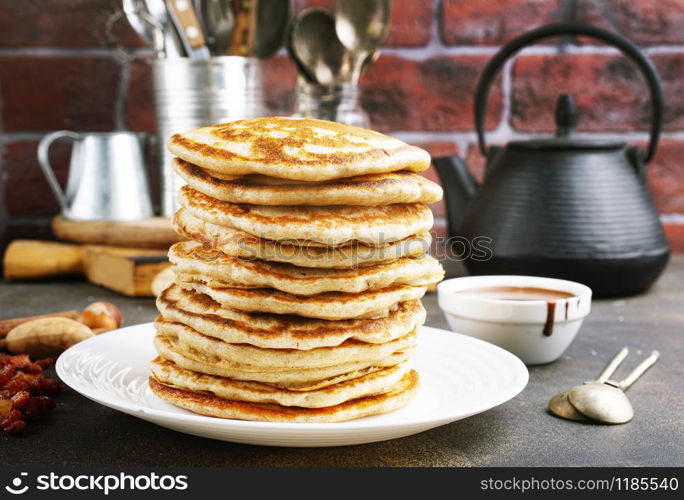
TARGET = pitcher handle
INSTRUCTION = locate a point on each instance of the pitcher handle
(626, 47)
(44, 162)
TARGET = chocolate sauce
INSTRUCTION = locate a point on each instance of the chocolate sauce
(523, 293)
(550, 310)
(516, 293)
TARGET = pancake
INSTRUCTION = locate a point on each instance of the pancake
(211, 405)
(240, 244)
(219, 271)
(296, 380)
(247, 357)
(302, 149)
(277, 331)
(327, 226)
(365, 190)
(381, 381)
(331, 305)
(162, 280)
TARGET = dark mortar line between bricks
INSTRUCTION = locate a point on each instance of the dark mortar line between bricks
(435, 48)
(47, 52)
(29, 220)
(467, 137)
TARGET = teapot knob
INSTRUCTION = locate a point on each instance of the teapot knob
(566, 115)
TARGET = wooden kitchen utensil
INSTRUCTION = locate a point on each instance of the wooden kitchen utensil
(125, 270)
(184, 18)
(28, 259)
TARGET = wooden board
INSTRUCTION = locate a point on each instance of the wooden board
(126, 270)
(155, 232)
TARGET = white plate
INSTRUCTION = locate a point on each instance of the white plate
(460, 376)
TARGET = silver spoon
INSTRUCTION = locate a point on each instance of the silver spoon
(561, 406)
(172, 45)
(217, 21)
(316, 47)
(145, 25)
(271, 24)
(370, 60)
(302, 70)
(606, 401)
(362, 26)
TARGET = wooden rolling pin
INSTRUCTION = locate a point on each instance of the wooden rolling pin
(28, 259)
(126, 270)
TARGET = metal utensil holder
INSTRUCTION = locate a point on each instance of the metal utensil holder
(193, 93)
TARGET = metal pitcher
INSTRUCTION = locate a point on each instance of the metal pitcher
(107, 176)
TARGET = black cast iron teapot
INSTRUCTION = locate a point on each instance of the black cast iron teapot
(563, 207)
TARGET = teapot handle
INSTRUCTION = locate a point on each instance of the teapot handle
(626, 47)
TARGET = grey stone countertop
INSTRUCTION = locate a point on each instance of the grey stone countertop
(517, 433)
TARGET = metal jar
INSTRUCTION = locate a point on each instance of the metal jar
(193, 93)
(339, 104)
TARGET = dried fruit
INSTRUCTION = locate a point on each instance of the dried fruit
(25, 393)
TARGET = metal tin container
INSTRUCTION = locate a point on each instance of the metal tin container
(193, 93)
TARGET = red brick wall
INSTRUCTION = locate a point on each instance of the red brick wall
(59, 70)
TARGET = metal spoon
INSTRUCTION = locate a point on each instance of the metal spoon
(561, 406)
(302, 70)
(271, 24)
(217, 21)
(606, 401)
(172, 45)
(145, 25)
(369, 60)
(316, 47)
(362, 26)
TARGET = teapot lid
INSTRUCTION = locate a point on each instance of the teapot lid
(566, 121)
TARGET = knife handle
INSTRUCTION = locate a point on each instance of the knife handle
(187, 20)
(242, 37)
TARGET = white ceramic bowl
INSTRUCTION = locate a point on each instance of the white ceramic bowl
(517, 326)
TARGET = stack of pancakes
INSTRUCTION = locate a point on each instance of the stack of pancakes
(297, 297)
